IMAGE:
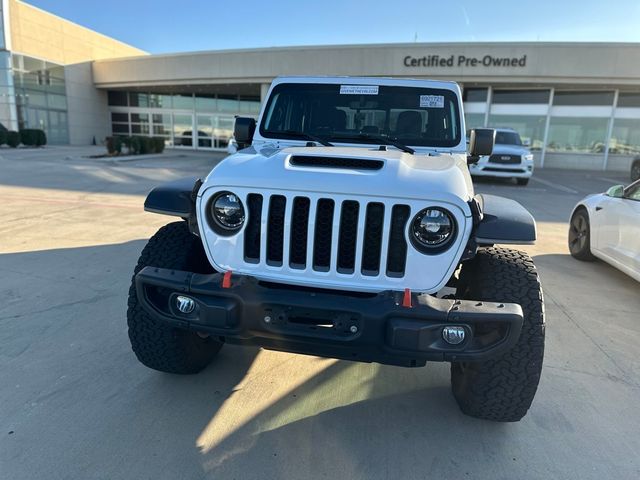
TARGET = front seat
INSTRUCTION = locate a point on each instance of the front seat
(409, 123)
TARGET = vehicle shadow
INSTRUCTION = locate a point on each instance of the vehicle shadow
(75, 400)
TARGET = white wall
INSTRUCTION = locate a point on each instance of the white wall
(87, 106)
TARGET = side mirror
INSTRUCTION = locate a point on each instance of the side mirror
(481, 142)
(526, 142)
(243, 131)
(617, 191)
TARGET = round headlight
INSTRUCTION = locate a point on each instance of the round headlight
(227, 211)
(432, 229)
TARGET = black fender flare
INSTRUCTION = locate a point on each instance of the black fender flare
(504, 221)
(175, 198)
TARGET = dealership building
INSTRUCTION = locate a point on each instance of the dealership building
(576, 104)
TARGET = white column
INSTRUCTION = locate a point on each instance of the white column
(605, 160)
(264, 89)
(546, 128)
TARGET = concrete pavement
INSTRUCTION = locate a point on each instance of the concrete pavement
(75, 403)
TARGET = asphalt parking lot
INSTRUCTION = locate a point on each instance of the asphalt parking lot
(76, 404)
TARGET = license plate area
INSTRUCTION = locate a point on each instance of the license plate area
(311, 322)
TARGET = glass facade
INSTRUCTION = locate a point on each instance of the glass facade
(594, 128)
(33, 95)
(200, 121)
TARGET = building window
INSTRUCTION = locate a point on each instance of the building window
(117, 99)
(474, 120)
(629, 99)
(530, 127)
(159, 101)
(625, 137)
(183, 102)
(206, 103)
(475, 95)
(520, 96)
(575, 98)
(577, 135)
(138, 99)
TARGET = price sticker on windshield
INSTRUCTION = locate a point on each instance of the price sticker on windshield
(358, 89)
(432, 101)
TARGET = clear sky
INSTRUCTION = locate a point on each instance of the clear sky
(160, 26)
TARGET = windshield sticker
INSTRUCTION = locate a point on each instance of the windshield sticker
(432, 101)
(358, 89)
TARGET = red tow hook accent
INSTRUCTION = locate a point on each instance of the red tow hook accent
(406, 300)
(226, 280)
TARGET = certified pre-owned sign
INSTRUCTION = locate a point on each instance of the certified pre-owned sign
(464, 61)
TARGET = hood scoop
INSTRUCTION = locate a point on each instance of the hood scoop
(347, 163)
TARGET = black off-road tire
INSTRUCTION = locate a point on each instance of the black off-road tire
(158, 345)
(522, 181)
(579, 236)
(502, 388)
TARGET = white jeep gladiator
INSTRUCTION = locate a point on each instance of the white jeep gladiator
(347, 226)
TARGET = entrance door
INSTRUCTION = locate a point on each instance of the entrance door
(204, 129)
(183, 131)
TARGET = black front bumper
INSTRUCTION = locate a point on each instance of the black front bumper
(361, 327)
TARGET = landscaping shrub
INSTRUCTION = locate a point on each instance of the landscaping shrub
(41, 138)
(3, 137)
(158, 144)
(114, 145)
(135, 145)
(32, 137)
(13, 139)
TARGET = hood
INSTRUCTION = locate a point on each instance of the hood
(501, 148)
(391, 173)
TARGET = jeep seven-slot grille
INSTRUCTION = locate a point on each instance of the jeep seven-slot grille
(312, 224)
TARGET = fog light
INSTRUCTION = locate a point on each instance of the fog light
(453, 335)
(185, 304)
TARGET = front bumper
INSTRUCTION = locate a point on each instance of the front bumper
(361, 327)
(501, 170)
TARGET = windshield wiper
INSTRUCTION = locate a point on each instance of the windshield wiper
(378, 139)
(306, 136)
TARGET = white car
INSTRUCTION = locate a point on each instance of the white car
(607, 226)
(510, 159)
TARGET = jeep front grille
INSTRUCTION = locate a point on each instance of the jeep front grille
(346, 237)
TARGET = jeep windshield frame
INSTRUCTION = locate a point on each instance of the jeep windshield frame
(363, 114)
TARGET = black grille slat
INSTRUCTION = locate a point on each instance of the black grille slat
(397, 254)
(275, 229)
(322, 235)
(348, 236)
(336, 162)
(372, 248)
(252, 230)
(299, 232)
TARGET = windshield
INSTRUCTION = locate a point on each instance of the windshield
(359, 113)
(508, 138)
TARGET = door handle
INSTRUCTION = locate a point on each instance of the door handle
(598, 208)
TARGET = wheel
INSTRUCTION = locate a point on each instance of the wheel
(502, 388)
(580, 236)
(635, 170)
(522, 181)
(157, 345)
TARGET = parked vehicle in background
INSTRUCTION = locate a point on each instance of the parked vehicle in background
(635, 169)
(349, 229)
(510, 159)
(607, 226)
